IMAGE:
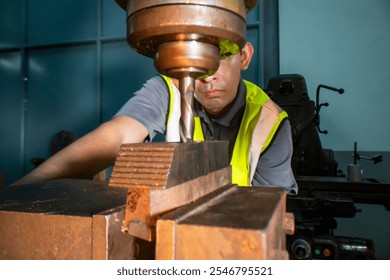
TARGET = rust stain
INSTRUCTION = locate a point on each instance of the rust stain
(132, 199)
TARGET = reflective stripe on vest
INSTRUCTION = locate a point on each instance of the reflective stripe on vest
(174, 113)
(259, 124)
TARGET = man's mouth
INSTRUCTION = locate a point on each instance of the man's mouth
(212, 93)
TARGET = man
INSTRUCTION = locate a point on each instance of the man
(228, 108)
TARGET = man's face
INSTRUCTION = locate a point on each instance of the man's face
(218, 91)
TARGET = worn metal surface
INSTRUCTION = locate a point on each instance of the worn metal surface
(248, 3)
(152, 23)
(145, 206)
(230, 223)
(163, 176)
(63, 219)
(164, 165)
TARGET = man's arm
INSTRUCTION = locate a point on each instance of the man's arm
(274, 166)
(90, 154)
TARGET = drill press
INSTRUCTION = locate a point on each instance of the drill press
(183, 37)
(178, 195)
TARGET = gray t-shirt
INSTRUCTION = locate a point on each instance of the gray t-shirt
(150, 107)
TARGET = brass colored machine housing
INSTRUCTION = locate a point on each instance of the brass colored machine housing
(181, 35)
(183, 38)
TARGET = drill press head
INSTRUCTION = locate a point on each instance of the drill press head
(184, 38)
(183, 35)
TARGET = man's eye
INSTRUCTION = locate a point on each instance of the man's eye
(225, 55)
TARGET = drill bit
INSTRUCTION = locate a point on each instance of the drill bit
(187, 90)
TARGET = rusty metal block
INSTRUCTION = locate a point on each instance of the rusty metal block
(230, 223)
(36, 236)
(164, 165)
(63, 219)
(163, 176)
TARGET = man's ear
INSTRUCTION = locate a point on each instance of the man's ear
(246, 55)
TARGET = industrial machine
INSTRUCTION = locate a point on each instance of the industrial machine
(183, 37)
(176, 200)
(325, 194)
(309, 157)
(164, 200)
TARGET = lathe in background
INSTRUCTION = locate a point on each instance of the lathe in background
(326, 196)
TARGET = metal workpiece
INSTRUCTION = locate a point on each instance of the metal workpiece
(64, 219)
(163, 165)
(231, 223)
(160, 177)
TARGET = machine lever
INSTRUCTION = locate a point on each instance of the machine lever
(356, 156)
(318, 105)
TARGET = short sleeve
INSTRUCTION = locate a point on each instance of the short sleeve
(274, 166)
(149, 106)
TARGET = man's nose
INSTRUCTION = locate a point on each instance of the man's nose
(208, 79)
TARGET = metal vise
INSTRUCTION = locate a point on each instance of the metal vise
(180, 196)
(165, 201)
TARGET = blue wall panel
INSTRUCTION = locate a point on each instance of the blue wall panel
(11, 115)
(254, 15)
(114, 20)
(62, 95)
(51, 21)
(253, 73)
(11, 23)
(262, 32)
(342, 44)
(124, 72)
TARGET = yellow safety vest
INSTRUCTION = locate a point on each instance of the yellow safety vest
(259, 124)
